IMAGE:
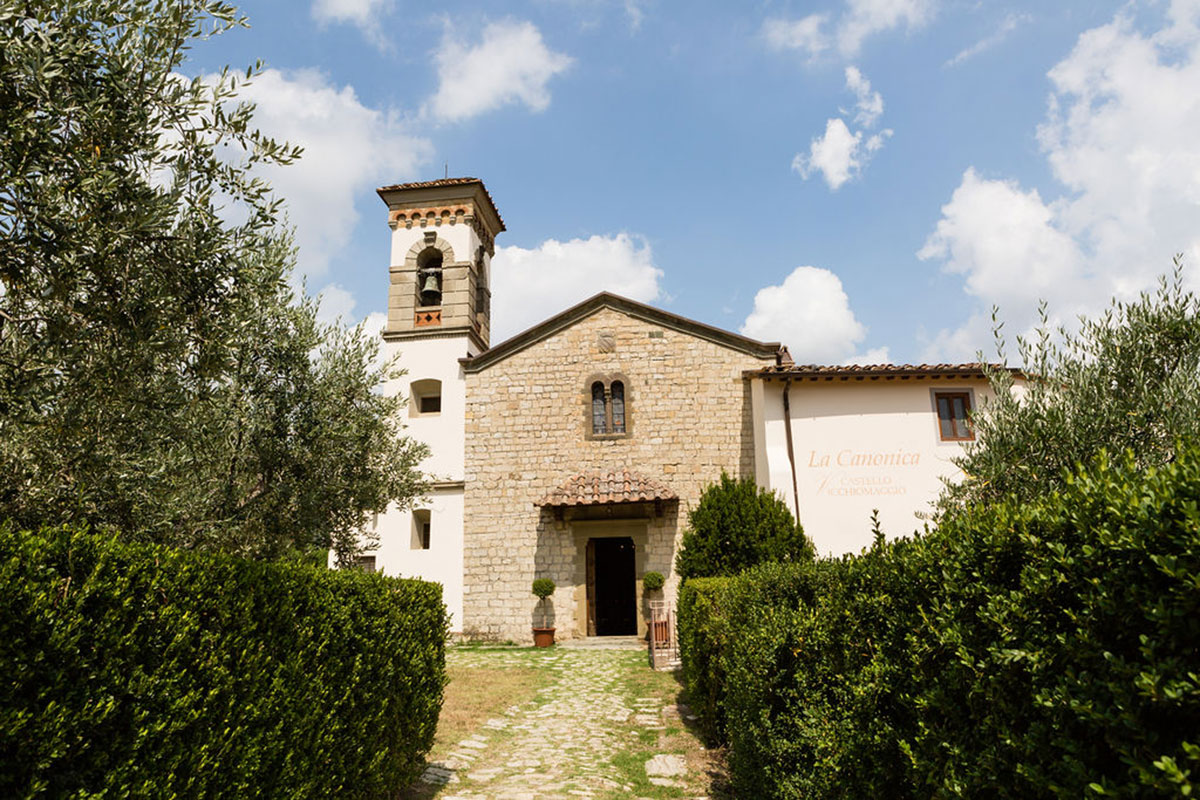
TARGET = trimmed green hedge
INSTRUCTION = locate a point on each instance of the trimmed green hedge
(1062, 650)
(812, 678)
(700, 629)
(134, 670)
(1019, 651)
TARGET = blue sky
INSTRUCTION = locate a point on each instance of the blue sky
(861, 179)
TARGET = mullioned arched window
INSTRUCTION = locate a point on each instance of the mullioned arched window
(608, 408)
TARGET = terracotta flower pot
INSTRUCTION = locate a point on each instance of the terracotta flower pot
(543, 637)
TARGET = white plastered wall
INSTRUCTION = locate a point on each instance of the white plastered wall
(399, 552)
(431, 358)
(858, 446)
(434, 359)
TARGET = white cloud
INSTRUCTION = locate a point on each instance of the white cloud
(801, 34)
(1120, 137)
(530, 285)
(1009, 24)
(838, 155)
(510, 64)
(373, 325)
(991, 232)
(356, 11)
(864, 18)
(858, 21)
(335, 304)
(835, 155)
(810, 313)
(634, 14)
(349, 148)
(869, 104)
(876, 355)
(365, 14)
(876, 141)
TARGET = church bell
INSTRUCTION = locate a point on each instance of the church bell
(431, 293)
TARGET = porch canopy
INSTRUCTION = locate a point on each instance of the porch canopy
(607, 488)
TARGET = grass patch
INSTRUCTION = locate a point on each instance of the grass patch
(476, 694)
(646, 682)
(630, 767)
(484, 644)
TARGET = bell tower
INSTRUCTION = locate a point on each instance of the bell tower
(439, 310)
(443, 239)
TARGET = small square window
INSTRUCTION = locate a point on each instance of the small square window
(425, 397)
(365, 563)
(954, 412)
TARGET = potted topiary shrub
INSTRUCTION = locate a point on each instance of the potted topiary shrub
(543, 636)
(652, 583)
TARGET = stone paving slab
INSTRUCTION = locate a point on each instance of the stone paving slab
(563, 743)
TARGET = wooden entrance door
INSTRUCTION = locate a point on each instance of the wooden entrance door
(591, 587)
(611, 587)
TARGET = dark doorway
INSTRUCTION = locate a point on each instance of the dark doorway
(612, 595)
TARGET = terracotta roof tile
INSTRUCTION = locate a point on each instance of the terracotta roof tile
(854, 370)
(600, 488)
(430, 184)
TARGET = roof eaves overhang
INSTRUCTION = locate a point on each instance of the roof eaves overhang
(446, 188)
(816, 372)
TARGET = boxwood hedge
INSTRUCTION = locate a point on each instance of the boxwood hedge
(133, 670)
(1021, 650)
(700, 624)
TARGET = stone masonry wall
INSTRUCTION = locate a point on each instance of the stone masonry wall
(527, 426)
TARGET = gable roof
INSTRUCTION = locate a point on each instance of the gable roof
(655, 316)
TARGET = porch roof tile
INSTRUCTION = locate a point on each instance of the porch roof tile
(601, 488)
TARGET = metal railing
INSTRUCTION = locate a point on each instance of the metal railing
(664, 649)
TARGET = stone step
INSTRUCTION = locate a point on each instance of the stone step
(604, 643)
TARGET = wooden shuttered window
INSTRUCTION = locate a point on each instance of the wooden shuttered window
(953, 410)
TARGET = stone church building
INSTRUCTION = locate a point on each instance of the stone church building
(575, 449)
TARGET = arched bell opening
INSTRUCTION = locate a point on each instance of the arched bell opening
(429, 277)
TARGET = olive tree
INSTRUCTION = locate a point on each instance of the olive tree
(1125, 381)
(158, 374)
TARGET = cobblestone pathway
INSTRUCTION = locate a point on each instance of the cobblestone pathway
(587, 734)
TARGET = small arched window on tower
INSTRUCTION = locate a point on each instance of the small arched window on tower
(429, 277)
(422, 529)
(425, 397)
